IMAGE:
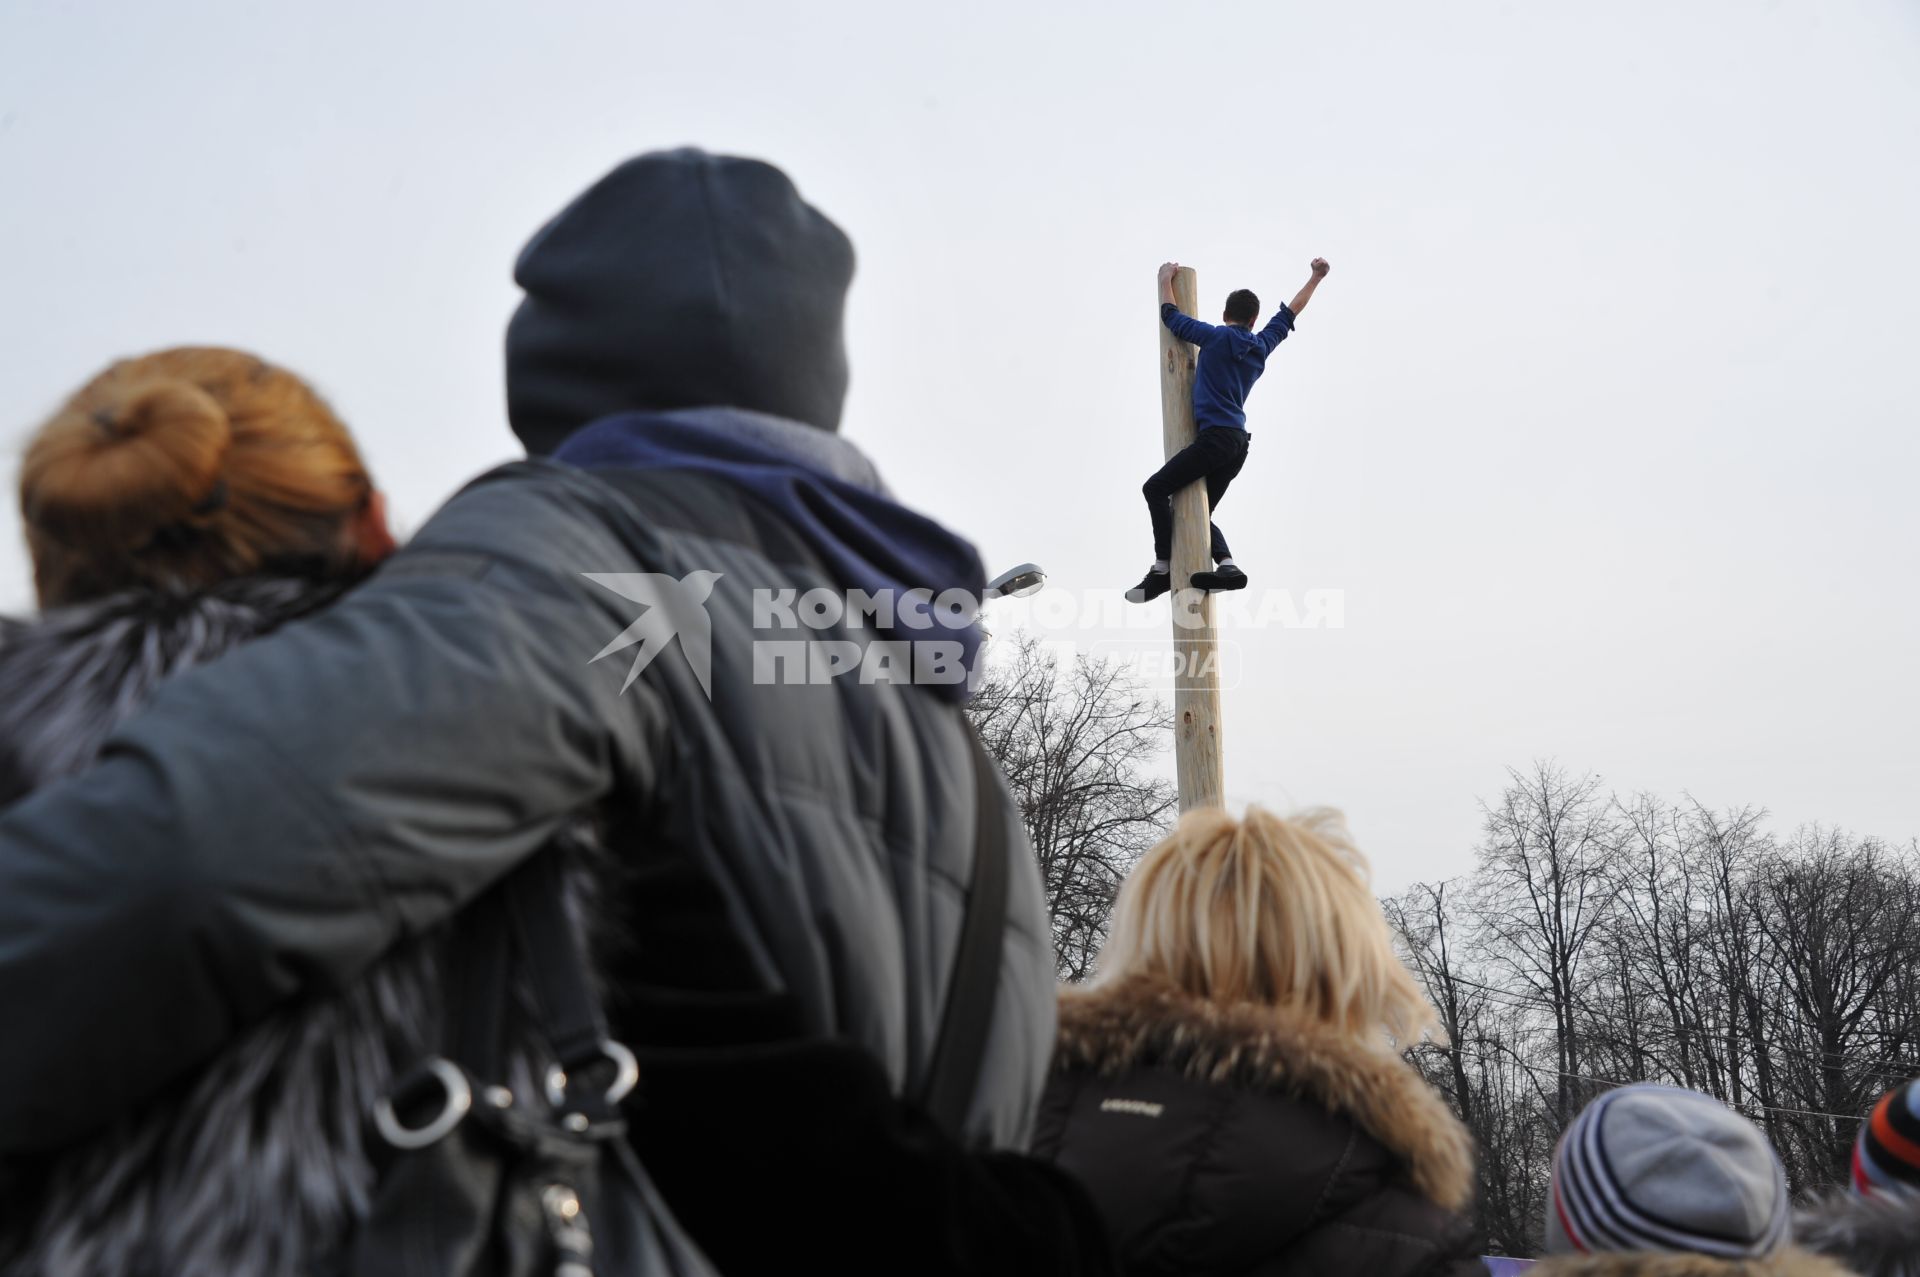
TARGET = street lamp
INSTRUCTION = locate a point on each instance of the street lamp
(1016, 583)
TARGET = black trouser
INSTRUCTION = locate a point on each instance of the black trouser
(1216, 455)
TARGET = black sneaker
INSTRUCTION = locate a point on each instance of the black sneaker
(1226, 578)
(1151, 587)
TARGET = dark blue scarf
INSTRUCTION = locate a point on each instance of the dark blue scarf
(867, 540)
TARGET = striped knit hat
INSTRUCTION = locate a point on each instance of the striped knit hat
(1656, 1168)
(1888, 1150)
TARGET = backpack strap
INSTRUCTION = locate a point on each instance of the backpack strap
(566, 997)
(477, 965)
(525, 914)
(954, 1072)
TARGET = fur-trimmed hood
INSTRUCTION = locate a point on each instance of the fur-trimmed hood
(1146, 1022)
(1791, 1262)
(1877, 1234)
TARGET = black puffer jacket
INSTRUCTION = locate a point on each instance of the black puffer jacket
(1242, 1141)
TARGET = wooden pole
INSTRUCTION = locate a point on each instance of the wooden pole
(1196, 681)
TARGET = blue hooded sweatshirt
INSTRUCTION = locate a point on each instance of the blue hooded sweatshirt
(1231, 360)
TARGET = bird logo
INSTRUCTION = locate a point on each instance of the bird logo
(675, 608)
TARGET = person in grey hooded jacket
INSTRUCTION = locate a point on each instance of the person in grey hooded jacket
(608, 629)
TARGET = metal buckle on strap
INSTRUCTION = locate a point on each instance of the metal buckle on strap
(459, 1100)
(626, 1075)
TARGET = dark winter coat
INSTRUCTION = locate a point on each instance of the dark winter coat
(1245, 1141)
(794, 1157)
(260, 1160)
(275, 822)
(438, 725)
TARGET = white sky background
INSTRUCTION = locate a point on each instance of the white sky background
(1604, 422)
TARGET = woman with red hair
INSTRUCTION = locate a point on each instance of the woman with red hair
(176, 506)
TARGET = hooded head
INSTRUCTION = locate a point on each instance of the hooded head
(679, 280)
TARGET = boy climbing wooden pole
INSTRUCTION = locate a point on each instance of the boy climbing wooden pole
(1232, 357)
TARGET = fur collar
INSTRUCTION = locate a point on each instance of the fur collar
(273, 1129)
(1877, 1233)
(1146, 1022)
(1791, 1262)
(68, 677)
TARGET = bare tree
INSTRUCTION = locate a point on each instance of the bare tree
(1725, 848)
(1428, 930)
(1840, 916)
(1545, 884)
(1076, 745)
(1602, 941)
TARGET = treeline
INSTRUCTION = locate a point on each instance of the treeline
(1604, 939)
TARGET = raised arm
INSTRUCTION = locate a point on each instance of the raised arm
(1305, 295)
(1183, 326)
(1282, 322)
(279, 818)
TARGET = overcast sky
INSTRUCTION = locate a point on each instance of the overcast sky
(1604, 423)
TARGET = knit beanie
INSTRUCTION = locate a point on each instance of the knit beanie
(1657, 1168)
(679, 280)
(1888, 1150)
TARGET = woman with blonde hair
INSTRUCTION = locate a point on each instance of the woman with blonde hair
(176, 506)
(1227, 1086)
